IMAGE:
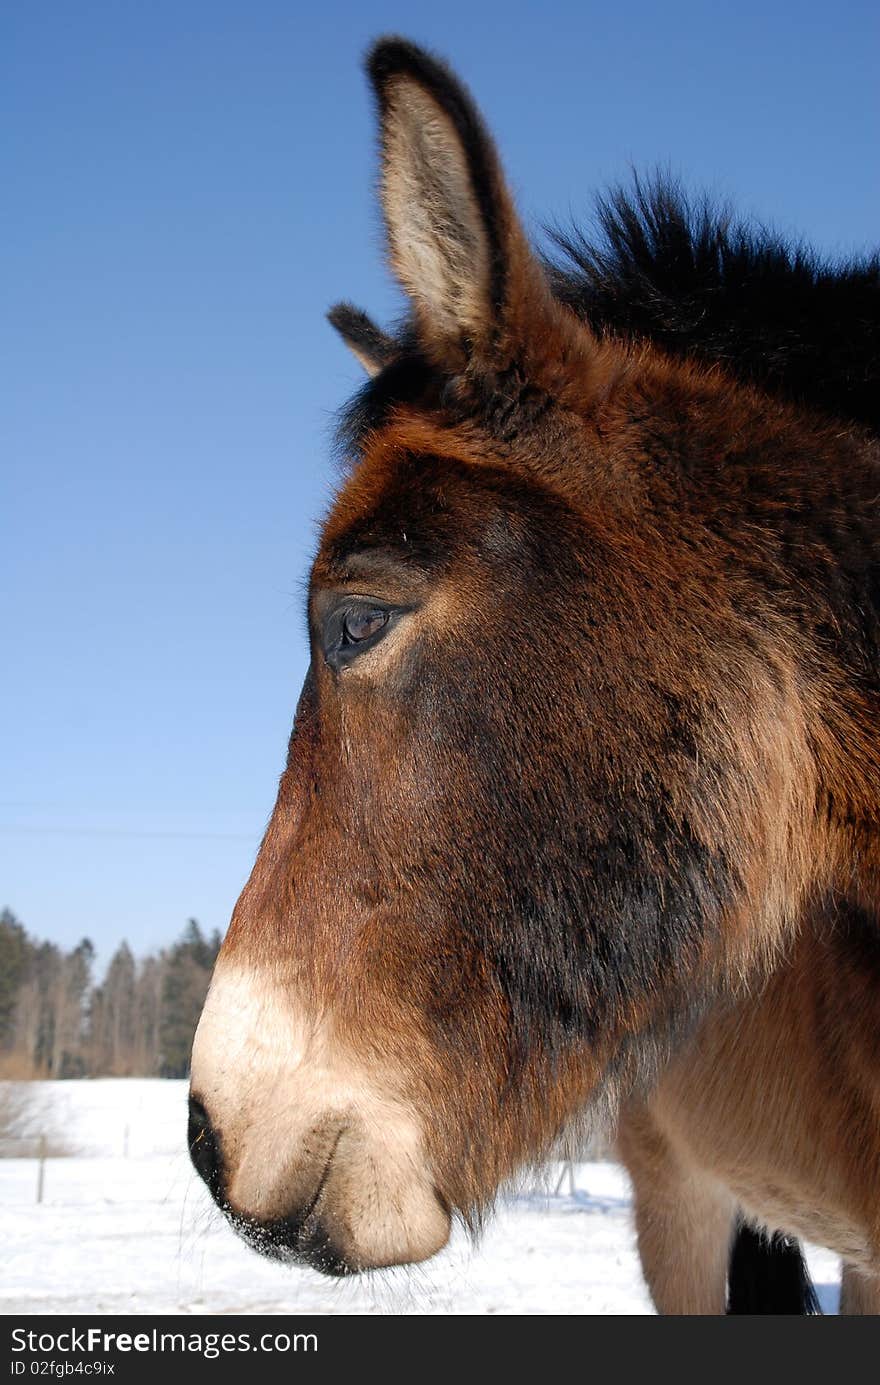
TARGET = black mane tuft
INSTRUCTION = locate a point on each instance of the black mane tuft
(687, 277)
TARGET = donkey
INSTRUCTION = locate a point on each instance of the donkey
(592, 710)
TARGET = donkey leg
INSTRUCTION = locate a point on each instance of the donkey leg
(684, 1221)
(859, 1293)
(684, 1245)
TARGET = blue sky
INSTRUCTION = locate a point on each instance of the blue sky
(188, 187)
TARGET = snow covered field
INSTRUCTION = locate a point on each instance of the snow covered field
(125, 1226)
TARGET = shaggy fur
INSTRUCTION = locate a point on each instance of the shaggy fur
(694, 281)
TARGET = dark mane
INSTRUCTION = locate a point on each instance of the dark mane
(697, 283)
(688, 277)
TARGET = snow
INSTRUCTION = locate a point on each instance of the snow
(126, 1227)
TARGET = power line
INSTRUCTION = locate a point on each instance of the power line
(19, 830)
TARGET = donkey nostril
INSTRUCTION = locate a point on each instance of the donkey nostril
(204, 1148)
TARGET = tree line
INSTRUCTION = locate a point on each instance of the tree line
(139, 1021)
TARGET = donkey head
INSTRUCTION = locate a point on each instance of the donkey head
(547, 763)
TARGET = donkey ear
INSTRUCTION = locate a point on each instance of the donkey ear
(455, 242)
(367, 342)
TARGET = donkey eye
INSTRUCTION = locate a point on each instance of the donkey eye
(350, 627)
(360, 625)
(347, 626)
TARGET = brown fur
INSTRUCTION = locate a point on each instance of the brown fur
(773, 1107)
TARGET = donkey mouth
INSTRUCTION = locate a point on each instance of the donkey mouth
(341, 1212)
(294, 1241)
(318, 1238)
(296, 1237)
(300, 1237)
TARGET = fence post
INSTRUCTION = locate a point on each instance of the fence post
(567, 1171)
(41, 1167)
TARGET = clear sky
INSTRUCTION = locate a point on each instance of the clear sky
(187, 186)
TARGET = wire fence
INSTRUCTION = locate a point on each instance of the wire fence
(41, 1150)
(115, 1136)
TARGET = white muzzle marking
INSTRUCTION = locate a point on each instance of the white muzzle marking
(284, 1096)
